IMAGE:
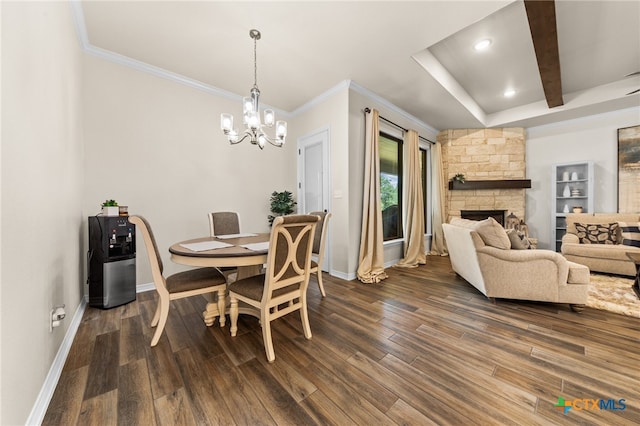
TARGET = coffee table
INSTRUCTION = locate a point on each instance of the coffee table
(635, 257)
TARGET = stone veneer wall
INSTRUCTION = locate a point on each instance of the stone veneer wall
(484, 154)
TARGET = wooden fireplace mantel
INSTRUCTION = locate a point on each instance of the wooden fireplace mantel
(491, 184)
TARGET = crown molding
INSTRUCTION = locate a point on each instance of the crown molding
(366, 92)
(107, 55)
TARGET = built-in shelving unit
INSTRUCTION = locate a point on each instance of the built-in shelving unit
(490, 184)
(572, 187)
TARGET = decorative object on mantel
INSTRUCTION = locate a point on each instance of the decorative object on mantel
(459, 177)
(251, 114)
(110, 208)
(490, 184)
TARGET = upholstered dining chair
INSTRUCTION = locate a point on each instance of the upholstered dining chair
(182, 284)
(282, 289)
(224, 223)
(319, 240)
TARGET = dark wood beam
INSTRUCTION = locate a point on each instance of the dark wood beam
(542, 24)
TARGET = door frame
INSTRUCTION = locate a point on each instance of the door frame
(324, 135)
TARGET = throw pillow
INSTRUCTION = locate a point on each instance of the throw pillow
(630, 233)
(518, 240)
(493, 234)
(597, 233)
(465, 223)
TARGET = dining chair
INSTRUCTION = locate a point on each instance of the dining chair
(282, 289)
(319, 240)
(224, 223)
(182, 284)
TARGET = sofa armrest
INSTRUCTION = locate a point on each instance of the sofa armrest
(523, 274)
(570, 239)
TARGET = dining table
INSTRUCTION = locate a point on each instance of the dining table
(246, 251)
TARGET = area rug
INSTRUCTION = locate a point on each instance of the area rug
(614, 294)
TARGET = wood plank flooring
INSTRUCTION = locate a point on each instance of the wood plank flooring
(422, 347)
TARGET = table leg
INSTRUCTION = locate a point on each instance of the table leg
(220, 308)
(636, 284)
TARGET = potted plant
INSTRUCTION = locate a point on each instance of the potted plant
(282, 204)
(110, 208)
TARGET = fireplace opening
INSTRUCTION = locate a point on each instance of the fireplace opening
(498, 215)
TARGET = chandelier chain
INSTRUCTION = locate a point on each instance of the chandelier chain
(255, 63)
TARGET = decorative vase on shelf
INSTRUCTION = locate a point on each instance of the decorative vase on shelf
(567, 191)
(574, 176)
(565, 176)
(566, 209)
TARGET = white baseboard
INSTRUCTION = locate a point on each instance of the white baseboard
(48, 388)
(46, 392)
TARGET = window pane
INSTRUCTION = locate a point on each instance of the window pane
(391, 186)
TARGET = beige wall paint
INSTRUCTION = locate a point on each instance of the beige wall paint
(156, 146)
(42, 177)
(331, 113)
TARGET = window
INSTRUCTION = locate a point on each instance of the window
(391, 185)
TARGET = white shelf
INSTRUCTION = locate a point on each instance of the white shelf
(584, 183)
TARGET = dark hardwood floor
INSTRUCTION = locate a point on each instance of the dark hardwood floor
(422, 347)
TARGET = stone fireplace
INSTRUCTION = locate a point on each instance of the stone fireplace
(498, 215)
(484, 155)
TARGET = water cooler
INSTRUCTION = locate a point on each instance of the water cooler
(111, 261)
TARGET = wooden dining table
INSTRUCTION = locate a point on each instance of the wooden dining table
(247, 252)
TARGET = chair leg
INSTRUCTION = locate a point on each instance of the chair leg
(233, 314)
(305, 319)
(163, 314)
(221, 307)
(156, 315)
(320, 285)
(266, 337)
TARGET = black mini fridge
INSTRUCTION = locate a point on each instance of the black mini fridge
(111, 261)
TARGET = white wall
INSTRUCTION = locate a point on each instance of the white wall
(42, 177)
(591, 138)
(156, 146)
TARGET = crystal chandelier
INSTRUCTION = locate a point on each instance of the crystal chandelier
(251, 114)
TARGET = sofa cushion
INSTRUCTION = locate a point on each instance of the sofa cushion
(630, 232)
(518, 240)
(597, 233)
(493, 234)
(599, 251)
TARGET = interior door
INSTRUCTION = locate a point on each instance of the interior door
(313, 178)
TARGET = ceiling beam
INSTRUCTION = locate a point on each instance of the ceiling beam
(542, 24)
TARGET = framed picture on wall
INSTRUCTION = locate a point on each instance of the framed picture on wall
(629, 170)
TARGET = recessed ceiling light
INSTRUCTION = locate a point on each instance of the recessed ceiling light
(482, 44)
(509, 93)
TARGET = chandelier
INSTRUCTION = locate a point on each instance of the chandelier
(251, 115)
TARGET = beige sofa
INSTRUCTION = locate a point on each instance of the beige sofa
(539, 275)
(608, 258)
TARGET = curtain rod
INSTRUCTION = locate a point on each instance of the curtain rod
(368, 110)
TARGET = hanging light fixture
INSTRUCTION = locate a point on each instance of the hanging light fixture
(251, 114)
